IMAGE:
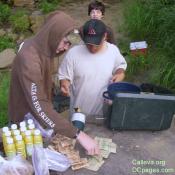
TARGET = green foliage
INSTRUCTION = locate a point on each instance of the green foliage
(6, 42)
(153, 21)
(20, 21)
(5, 12)
(164, 75)
(136, 64)
(4, 90)
(47, 6)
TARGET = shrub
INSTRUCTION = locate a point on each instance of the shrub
(48, 6)
(6, 42)
(20, 21)
(4, 90)
(4, 12)
(136, 65)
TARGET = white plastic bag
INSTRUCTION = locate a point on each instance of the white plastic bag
(47, 133)
(39, 161)
(44, 159)
(57, 161)
(15, 166)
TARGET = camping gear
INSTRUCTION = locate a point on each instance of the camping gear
(120, 87)
(131, 111)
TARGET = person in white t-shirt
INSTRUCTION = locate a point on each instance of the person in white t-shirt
(87, 69)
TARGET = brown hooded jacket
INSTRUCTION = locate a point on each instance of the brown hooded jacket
(31, 82)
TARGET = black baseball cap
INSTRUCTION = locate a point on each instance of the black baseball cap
(93, 32)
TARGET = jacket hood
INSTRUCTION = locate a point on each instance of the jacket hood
(57, 25)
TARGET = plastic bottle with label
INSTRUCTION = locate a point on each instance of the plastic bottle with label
(10, 150)
(29, 143)
(13, 127)
(37, 138)
(22, 124)
(29, 121)
(4, 130)
(7, 134)
(31, 127)
(23, 129)
(15, 133)
(20, 146)
(78, 119)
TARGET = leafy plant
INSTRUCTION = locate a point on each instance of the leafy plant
(20, 21)
(4, 90)
(5, 12)
(136, 64)
(6, 42)
(47, 6)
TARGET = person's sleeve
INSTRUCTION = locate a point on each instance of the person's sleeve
(65, 70)
(32, 81)
(120, 61)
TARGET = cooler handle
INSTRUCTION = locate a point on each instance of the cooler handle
(106, 95)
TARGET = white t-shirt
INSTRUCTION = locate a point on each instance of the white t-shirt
(89, 75)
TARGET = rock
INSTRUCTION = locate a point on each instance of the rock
(24, 3)
(36, 20)
(9, 30)
(2, 32)
(6, 58)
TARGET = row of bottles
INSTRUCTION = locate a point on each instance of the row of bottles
(21, 141)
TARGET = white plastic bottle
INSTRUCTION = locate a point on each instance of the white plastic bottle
(37, 138)
(23, 129)
(29, 142)
(4, 130)
(29, 121)
(15, 133)
(20, 146)
(22, 124)
(13, 127)
(31, 127)
(7, 134)
(10, 148)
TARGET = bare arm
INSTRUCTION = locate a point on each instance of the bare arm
(65, 87)
(119, 75)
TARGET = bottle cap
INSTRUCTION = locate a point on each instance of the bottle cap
(28, 133)
(29, 121)
(22, 124)
(18, 137)
(16, 132)
(14, 126)
(4, 129)
(31, 126)
(37, 132)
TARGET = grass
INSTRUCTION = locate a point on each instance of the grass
(6, 42)
(5, 12)
(47, 6)
(20, 21)
(4, 90)
(153, 21)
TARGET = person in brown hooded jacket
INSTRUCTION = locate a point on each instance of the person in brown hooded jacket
(31, 80)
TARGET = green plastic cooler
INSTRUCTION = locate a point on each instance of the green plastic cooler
(141, 111)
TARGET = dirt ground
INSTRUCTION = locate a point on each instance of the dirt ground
(112, 17)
